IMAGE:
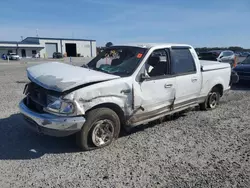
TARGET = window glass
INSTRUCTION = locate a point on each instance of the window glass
(246, 61)
(225, 54)
(208, 56)
(182, 61)
(157, 63)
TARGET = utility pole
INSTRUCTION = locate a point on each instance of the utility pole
(36, 32)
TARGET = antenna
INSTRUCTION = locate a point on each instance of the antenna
(21, 38)
(36, 32)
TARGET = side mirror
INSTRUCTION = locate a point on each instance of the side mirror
(143, 77)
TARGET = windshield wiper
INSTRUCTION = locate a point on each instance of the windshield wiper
(86, 66)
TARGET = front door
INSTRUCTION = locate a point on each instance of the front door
(154, 94)
(188, 78)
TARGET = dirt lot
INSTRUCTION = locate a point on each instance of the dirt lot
(198, 149)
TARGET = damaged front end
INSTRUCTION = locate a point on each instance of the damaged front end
(58, 100)
(42, 100)
(49, 113)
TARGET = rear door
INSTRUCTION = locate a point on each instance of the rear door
(188, 79)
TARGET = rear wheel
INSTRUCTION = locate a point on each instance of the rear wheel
(212, 100)
(102, 126)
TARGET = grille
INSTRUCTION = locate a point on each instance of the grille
(33, 105)
(37, 97)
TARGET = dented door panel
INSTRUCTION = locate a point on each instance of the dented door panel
(153, 97)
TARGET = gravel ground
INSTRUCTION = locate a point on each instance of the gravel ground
(197, 149)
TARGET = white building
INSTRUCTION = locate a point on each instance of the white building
(30, 46)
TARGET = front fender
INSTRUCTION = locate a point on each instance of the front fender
(122, 101)
(115, 92)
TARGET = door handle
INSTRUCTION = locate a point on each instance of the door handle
(168, 85)
(194, 79)
(126, 91)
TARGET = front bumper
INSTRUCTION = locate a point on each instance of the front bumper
(49, 124)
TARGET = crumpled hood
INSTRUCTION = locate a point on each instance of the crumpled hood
(62, 77)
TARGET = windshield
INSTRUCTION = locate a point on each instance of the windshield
(246, 61)
(121, 61)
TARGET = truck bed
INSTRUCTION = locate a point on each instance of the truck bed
(213, 65)
(214, 72)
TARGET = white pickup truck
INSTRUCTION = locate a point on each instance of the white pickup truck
(124, 86)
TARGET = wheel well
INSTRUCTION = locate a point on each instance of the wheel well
(117, 109)
(219, 87)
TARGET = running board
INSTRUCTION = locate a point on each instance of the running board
(162, 115)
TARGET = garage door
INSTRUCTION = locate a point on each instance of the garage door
(50, 49)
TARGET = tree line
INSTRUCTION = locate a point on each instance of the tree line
(232, 48)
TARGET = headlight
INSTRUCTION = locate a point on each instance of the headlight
(61, 107)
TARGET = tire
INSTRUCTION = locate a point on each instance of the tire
(212, 100)
(101, 128)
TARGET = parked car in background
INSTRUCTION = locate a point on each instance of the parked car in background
(210, 56)
(244, 54)
(13, 56)
(237, 54)
(226, 56)
(98, 99)
(4, 57)
(243, 69)
(57, 55)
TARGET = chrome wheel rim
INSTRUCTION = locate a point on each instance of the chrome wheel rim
(213, 100)
(103, 132)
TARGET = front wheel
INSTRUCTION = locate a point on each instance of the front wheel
(102, 126)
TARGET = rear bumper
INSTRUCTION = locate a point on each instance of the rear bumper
(49, 124)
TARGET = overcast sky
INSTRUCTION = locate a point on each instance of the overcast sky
(196, 22)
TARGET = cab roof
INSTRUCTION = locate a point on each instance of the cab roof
(151, 45)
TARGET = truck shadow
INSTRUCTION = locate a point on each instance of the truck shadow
(19, 143)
